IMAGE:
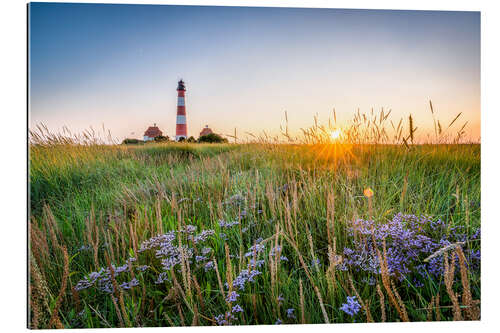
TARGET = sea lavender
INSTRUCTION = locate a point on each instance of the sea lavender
(232, 297)
(352, 306)
(209, 266)
(408, 240)
(224, 224)
(236, 308)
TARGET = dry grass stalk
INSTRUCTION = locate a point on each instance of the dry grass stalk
(132, 238)
(39, 283)
(196, 320)
(198, 292)
(219, 281)
(382, 303)
(54, 318)
(107, 235)
(39, 295)
(168, 319)
(35, 308)
(93, 236)
(229, 268)
(471, 310)
(308, 274)
(363, 303)
(181, 315)
(118, 293)
(76, 299)
(189, 278)
(444, 250)
(449, 274)
(438, 313)
(52, 227)
(178, 289)
(117, 310)
(429, 309)
(384, 270)
(302, 311)
(311, 247)
(254, 306)
(38, 241)
(400, 302)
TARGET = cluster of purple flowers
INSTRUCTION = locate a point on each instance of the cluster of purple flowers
(200, 258)
(315, 262)
(209, 266)
(276, 251)
(224, 224)
(352, 306)
(256, 263)
(127, 285)
(188, 229)
(203, 236)
(236, 308)
(255, 249)
(236, 199)
(245, 276)
(225, 318)
(232, 297)
(142, 268)
(409, 240)
(162, 277)
(102, 278)
(169, 253)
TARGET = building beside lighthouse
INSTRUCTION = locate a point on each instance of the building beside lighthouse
(152, 132)
(181, 125)
(206, 131)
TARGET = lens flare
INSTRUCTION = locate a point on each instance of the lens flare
(368, 192)
(335, 134)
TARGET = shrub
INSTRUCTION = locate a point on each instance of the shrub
(162, 138)
(212, 138)
(191, 139)
(129, 141)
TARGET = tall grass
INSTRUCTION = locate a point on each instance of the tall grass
(286, 211)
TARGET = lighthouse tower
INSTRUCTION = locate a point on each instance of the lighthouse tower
(181, 127)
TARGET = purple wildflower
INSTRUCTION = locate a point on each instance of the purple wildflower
(209, 266)
(142, 268)
(232, 297)
(352, 306)
(236, 308)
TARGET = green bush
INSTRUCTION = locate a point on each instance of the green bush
(162, 138)
(212, 138)
(128, 141)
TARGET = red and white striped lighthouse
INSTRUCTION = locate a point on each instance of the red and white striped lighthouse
(181, 127)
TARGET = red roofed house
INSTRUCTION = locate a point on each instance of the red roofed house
(206, 131)
(151, 133)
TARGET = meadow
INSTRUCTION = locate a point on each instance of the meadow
(177, 234)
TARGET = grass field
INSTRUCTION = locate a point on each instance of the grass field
(243, 234)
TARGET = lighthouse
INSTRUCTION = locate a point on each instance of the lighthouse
(181, 127)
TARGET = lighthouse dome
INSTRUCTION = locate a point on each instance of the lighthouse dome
(181, 86)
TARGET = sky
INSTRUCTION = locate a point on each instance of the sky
(117, 67)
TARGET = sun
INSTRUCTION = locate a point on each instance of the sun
(335, 134)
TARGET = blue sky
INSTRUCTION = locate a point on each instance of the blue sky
(118, 65)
